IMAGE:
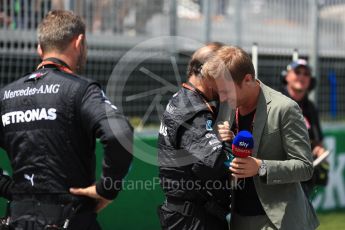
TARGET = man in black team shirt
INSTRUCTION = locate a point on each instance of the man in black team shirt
(50, 121)
(298, 82)
(191, 157)
(270, 196)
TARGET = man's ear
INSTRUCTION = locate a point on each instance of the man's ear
(40, 51)
(79, 43)
(248, 79)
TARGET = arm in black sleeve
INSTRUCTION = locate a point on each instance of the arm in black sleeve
(6, 182)
(317, 127)
(204, 144)
(6, 185)
(105, 122)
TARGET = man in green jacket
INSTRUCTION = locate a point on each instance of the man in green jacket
(270, 195)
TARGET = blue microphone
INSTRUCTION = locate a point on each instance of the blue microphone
(242, 146)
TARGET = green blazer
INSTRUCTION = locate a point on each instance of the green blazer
(281, 139)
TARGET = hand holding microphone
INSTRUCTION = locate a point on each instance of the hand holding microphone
(241, 146)
(244, 165)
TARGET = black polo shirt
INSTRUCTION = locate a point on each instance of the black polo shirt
(246, 201)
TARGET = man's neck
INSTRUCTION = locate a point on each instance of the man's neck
(251, 103)
(63, 57)
(197, 84)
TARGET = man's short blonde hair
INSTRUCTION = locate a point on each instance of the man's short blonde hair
(230, 62)
(57, 30)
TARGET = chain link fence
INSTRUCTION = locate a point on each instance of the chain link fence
(114, 27)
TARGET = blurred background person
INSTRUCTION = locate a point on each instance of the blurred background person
(109, 15)
(150, 7)
(297, 83)
(5, 11)
(26, 14)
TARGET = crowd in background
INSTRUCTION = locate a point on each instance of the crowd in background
(100, 16)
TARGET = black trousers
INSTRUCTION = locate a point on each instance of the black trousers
(200, 220)
(33, 215)
(85, 221)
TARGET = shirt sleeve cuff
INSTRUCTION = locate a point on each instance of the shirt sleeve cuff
(6, 186)
(108, 192)
(272, 173)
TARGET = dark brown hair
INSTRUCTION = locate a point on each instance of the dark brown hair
(200, 57)
(58, 29)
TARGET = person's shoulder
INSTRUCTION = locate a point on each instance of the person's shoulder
(85, 79)
(14, 83)
(279, 100)
(179, 98)
(83, 83)
(80, 82)
(74, 77)
(184, 105)
(188, 101)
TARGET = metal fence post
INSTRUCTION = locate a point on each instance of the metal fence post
(67, 4)
(173, 26)
(255, 59)
(207, 20)
(173, 18)
(71, 5)
(238, 22)
(295, 55)
(314, 48)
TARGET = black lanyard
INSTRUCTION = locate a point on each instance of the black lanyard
(57, 63)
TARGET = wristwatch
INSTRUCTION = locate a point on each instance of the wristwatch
(262, 169)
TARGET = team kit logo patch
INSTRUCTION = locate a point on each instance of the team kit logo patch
(209, 125)
(16, 117)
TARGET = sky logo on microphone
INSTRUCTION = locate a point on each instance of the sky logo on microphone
(243, 144)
